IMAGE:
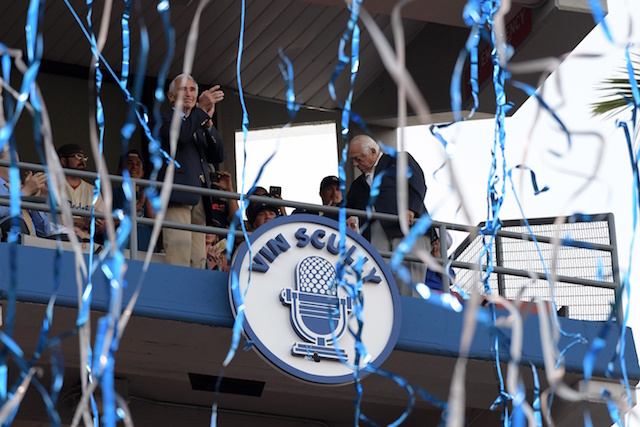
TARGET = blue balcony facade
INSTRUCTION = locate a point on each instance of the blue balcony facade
(172, 350)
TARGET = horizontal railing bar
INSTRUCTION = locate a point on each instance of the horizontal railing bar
(4, 201)
(146, 221)
(536, 275)
(473, 230)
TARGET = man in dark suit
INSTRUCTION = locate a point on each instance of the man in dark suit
(198, 144)
(386, 235)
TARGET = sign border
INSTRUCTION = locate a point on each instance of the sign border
(238, 261)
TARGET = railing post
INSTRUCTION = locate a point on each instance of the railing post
(499, 263)
(133, 236)
(444, 249)
(615, 268)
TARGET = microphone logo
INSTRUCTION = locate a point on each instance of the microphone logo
(318, 315)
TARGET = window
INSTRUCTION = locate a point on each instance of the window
(303, 156)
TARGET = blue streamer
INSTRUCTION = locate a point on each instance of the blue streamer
(537, 412)
(286, 69)
(351, 32)
(235, 288)
(625, 282)
(598, 17)
(156, 154)
(614, 412)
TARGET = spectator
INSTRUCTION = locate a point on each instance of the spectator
(260, 213)
(434, 279)
(331, 196)
(216, 253)
(134, 163)
(37, 222)
(198, 144)
(79, 193)
(223, 209)
(330, 191)
(261, 191)
(386, 235)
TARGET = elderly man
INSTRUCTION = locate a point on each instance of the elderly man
(386, 235)
(198, 144)
(79, 193)
(37, 222)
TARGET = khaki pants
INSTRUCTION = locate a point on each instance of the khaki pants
(381, 242)
(185, 248)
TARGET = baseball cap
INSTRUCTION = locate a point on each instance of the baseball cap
(131, 153)
(437, 236)
(255, 208)
(69, 150)
(329, 181)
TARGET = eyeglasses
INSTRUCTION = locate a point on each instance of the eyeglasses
(78, 156)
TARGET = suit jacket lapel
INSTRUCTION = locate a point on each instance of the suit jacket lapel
(383, 164)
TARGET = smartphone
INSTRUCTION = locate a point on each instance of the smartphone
(214, 177)
(275, 191)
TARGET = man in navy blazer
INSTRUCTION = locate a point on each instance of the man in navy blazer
(366, 155)
(198, 144)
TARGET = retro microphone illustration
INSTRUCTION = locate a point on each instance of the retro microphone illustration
(318, 314)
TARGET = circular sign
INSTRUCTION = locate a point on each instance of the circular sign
(298, 313)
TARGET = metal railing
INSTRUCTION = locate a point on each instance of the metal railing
(523, 281)
(578, 257)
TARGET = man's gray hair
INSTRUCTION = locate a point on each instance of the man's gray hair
(172, 85)
(368, 144)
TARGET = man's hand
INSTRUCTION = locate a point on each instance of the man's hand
(352, 223)
(142, 199)
(84, 223)
(225, 181)
(34, 183)
(208, 99)
(410, 216)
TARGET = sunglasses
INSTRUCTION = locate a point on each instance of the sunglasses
(79, 157)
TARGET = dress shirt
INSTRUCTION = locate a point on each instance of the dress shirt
(39, 219)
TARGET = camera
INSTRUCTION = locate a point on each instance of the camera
(275, 191)
(214, 176)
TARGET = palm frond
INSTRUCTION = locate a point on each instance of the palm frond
(616, 92)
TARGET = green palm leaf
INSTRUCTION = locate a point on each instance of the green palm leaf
(616, 93)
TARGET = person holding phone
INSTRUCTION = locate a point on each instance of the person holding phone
(223, 209)
(276, 192)
(260, 213)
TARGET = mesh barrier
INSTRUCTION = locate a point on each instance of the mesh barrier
(576, 301)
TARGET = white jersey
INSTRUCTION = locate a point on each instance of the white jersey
(81, 197)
